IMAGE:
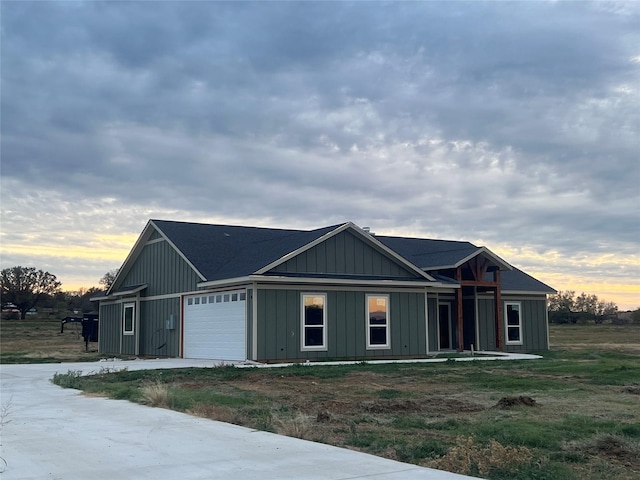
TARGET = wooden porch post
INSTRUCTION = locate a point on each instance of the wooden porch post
(459, 322)
(498, 308)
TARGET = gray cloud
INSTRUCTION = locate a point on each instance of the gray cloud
(513, 122)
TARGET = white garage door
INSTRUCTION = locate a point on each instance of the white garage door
(214, 326)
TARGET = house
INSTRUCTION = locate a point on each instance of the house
(339, 292)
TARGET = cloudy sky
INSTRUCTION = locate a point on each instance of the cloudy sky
(512, 125)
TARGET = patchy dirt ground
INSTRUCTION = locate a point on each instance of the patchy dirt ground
(37, 340)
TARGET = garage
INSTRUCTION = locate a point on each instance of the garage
(214, 325)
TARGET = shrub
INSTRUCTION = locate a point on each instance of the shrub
(298, 426)
(155, 394)
(71, 379)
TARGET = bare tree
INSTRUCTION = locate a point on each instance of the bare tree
(108, 278)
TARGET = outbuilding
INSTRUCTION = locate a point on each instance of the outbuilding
(229, 292)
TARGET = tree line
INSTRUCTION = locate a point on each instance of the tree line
(566, 307)
(25, 288)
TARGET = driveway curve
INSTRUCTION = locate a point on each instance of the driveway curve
(49, 432)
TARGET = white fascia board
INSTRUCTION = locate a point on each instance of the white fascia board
(263, 279)
(438, 267)
(226, 282)
(124, 293)
(100, 298)
(523, 292)
(489, 254)
(121, 293)
(178, 251)
(342, 281)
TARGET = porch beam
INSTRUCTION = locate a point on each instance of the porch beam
(479, 267)
(474, 283)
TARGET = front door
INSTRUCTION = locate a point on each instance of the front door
(444, 326)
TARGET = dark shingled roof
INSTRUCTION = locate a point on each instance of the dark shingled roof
(518, 281)
(227, 251)
(428, 254)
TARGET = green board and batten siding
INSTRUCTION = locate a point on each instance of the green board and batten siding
(345, 253)
(432, 316)
(279, 324)
(110, 327)
(279, 318)
(534, 324)
(171, 274)
(486, 324)
(155, 338)
(169, 271)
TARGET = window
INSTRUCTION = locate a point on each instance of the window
(314, 321)
(513, 320)
(128, 318)
(378, 321)
(234, 297)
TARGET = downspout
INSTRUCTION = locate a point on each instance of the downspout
(460, 327)
(121, 321)
(498, 309)
(546, 319)
(181, 346)
(477, 317)
(426, 317)
(137, 320)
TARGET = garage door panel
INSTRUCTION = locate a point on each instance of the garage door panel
(215, 330)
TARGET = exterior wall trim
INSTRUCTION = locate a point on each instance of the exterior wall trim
(273, 279)
(160, 297)
(156, 240)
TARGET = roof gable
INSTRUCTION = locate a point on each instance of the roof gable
(344, 253)
(150, 236)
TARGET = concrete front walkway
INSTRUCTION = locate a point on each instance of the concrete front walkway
(50, 433)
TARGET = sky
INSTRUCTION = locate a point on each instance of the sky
(510, 125)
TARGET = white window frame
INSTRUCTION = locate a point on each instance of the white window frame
(507, 326)
(125, 307)
(304, 326)
(386, 325)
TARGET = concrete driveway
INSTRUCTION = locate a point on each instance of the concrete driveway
(55, 433)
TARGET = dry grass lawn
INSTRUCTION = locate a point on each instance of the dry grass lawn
(573, 415)
(37, 340)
